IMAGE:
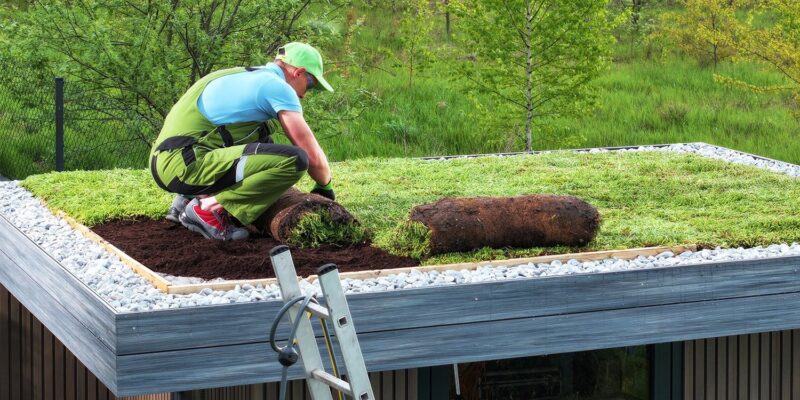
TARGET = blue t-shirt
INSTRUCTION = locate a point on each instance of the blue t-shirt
(250, 96)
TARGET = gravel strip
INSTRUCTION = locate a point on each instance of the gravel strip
(126, 291)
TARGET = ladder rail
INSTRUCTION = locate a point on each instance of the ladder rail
(320, 382)
(287, 278)
(328, 276)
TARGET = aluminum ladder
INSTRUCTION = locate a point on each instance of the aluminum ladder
(320, 382)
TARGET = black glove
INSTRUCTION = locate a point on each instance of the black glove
(324, 190)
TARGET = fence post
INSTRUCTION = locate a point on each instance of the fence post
(59, 124)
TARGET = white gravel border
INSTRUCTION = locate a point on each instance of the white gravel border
(126, 291)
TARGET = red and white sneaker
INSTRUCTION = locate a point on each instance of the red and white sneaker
(211, 225)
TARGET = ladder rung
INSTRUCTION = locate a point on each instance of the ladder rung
(332, 381)
(318, 310)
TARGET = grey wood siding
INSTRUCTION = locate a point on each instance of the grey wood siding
(755, 366)
(35, 365)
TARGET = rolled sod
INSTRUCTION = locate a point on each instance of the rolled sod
(310, 220)
(463, 224)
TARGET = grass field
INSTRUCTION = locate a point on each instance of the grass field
(644, 199)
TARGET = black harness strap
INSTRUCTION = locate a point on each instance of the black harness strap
(227, 138)
(180, 142)
(176, 186)
(301, 158)
(176, 142)
(227, 180)
(264, 133)
(154, 172)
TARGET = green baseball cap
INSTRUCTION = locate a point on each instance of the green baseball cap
(303, 55)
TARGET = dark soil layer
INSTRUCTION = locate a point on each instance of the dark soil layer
(461, 224)
(172, 249)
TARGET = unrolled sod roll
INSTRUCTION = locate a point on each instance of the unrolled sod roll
(462, 224)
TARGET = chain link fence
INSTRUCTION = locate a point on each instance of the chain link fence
(93, 137)
(27, 126)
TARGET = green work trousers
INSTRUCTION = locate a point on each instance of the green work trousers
(245, 179)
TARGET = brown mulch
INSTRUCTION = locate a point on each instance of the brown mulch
(169, 248)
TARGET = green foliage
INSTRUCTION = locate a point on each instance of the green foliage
(695, 31)
(538, 56)
(415, 36)
(776, 45)
(317, 228)
(645, 199)
(131, 60)
(410, 239)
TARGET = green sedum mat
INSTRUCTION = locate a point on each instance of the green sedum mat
(644, 199)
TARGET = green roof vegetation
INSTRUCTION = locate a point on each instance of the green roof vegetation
(644, 199)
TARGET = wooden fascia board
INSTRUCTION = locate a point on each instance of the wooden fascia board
(54, 313)
(250, 363)
(232, 324)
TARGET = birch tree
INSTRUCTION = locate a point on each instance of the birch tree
(537, 57)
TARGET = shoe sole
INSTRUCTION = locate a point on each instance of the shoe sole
(194, 228)
(172, 218)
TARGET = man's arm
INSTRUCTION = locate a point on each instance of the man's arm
(299, 133)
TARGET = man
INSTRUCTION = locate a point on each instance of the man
(215, 146)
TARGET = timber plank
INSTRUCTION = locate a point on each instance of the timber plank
(765, 365)
(786, 365)
(36, 365)
(744, 366)
(59, 384)
(796, 364)
(49, 361)
(70, 374)
(59, 320)
(5, 345)
(15, 353)
(711, 370)
(733, 366)
(586, 256)
(157, 280)
(775, 368)
(401, 349)
(722, 368)
(71, 295)
(755, 347)
(166, 330)
(80, 382)
(26, 370)
(700, 369)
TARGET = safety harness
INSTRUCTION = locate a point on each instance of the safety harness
(186, 145)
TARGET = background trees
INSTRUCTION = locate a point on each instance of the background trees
(413, 77)
(130, 60)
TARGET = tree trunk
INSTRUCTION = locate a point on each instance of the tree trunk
(447, 18)
(715, 46)
(529, 79)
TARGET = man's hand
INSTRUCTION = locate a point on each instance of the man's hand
(324, 190)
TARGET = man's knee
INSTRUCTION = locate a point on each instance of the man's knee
(302, 159)
(300, 156)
